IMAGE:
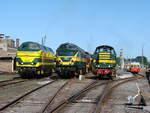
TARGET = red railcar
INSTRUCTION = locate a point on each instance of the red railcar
(134, 68)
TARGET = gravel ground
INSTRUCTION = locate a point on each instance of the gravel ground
(118, 98)
(69, 90)
(34, 102)
(7, 76)
(11, 92)
(37, 100)
(86, 104)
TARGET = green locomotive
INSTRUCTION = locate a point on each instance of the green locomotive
(71, 60)
(104, 61)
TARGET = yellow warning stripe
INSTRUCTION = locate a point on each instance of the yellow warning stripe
(104, 53)
(107, 61)
(105, 58)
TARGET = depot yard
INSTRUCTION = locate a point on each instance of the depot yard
(71, 81)
(87, 95)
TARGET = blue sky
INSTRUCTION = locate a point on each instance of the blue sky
(123, 24)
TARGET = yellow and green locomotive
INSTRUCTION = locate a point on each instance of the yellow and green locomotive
(104, 61)
(71, 60)
(34, 59)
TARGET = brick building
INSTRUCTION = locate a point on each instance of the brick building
(8, 49)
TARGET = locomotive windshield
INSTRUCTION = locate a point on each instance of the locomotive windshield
(66, 53)
(107, 50)
(102, 50)
(29, 46)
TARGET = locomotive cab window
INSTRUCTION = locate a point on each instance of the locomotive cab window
(67, 53)
(97, 51)
(112, 51)
(105, 50)
(29, 46)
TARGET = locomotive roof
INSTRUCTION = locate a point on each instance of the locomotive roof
(41, 46)
(30, 42)
(105, 46)
(69, 46)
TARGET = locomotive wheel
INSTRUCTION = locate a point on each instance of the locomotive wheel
(49, 73)
(64, 75)
(100, 77)
(84, 71)
(23, 75)
(77, 73)
(38, 74)
(42, 72)
(111, 77)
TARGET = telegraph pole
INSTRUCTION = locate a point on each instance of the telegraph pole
(90, 44)
(43, 43)
(43, 40)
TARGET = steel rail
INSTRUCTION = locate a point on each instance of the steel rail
(108, 91)
(54, 96)
(26, 94)
(79, 94)
(10, 82)
(75, 96)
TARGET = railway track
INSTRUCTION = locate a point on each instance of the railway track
(10, 82)
(23, 96)
(47, 107)
(72, 98)
(108, 87)
(23, 100)
(105, 94)
(15, 81)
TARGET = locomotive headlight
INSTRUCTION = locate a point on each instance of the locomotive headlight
(59, 61)
(32, 63)
(21, 62)
(97, 65)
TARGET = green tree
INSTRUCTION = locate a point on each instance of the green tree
(142, 59)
